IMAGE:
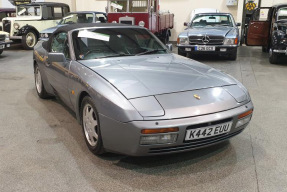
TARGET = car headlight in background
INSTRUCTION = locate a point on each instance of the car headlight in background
(159, 136)
(114, 21)
(141, 23)
(230, 41)
(16, 26)
(182, 41)
(44, 35)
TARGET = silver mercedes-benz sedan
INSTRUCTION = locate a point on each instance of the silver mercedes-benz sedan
(132, 96)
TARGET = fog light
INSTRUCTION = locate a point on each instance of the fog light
(158, 139)
(223, 49)
(243, 121)
(46, 35)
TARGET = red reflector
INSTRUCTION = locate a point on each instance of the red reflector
(245, 114)
(165, 130)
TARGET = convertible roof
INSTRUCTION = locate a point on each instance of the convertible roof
(71, 27)
(75, 12)
(45, 3)
(280, 5)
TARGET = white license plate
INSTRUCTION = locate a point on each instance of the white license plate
(213, 130)
(205, 48)
(2, 46)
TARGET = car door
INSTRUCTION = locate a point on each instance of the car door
(259, 27)
(58, 72)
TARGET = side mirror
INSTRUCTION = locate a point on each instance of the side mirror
(57, 57)
(169, 46)
(186, 24)
(238, 24)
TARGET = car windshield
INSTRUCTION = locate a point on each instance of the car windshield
(282, 14)
(114, 42)
(128, 6)
(28, 11)
(83, 18)
(212, 20)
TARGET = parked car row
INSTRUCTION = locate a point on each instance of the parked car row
(207, 33)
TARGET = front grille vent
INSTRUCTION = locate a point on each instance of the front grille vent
(206, 40)
(2, 37)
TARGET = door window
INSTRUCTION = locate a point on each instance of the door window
(60, 44)
(261, 14)
(58, 12)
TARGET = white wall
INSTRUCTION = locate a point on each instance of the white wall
(181, 8)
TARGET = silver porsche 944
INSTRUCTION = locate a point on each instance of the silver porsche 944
(133, 96)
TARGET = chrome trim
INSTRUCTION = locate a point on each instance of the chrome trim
(280, 51)
(220, 46)
(15, 37)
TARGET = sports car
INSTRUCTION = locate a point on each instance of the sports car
(132, 96)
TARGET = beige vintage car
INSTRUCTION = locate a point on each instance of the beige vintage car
(4, 41)
(31, 19)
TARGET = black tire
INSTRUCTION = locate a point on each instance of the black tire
(1, 51)
(29, 40)
(98, 148)
(180, 52)
(233, 55)
(273, 57)
(165, 37)
(40, 88)
(264, 49)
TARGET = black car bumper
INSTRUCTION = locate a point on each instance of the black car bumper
(219, 49)
(3, 45)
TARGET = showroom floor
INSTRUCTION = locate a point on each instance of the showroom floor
(42, 147)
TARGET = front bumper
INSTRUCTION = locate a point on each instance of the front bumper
(16, 37)
(219, 49)
(124, 138)
(4, 45)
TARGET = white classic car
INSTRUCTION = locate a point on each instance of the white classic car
(31, 19)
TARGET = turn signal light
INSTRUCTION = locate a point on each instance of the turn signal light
(164, 130)
(236, 41)
(245, 114)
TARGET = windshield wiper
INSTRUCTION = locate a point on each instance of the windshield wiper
(115, 55)
(151, 51)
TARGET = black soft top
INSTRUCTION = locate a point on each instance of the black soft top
(278, 6)
(71, 27)
(49, 4)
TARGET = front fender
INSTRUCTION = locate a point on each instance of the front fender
(107, 99)
(23, 30)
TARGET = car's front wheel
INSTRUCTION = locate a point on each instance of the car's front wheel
(273, 57)
(29, 40)
(233, 55)
(181, 52)
(39, 84)
(91, 126)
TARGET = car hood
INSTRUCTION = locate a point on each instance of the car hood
(210, 31)
(141, 76)
(51, 29)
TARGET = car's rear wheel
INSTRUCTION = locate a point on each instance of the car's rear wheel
(91, 126)
(273, 57)
(29, 40)
(39, 84)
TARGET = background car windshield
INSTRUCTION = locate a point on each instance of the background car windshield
(28, 11)
(93, 44)
(282, 14)
(82, 18)
(212, 20)
(129, 6)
